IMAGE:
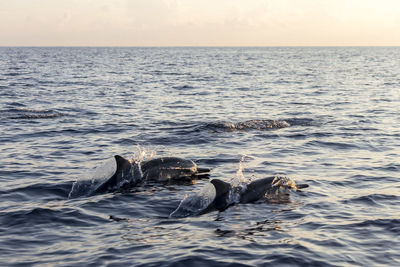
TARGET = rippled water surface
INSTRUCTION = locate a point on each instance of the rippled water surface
(328, 117)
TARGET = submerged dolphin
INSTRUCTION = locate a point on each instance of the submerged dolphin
(166, 169)
(225, 194)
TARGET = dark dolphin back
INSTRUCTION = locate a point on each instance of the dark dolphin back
(167, 169)
(123, 167)
(168, 162)
(256, 190)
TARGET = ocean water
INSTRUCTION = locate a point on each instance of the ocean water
(328, 117)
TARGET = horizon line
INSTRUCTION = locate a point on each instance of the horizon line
(192, 46)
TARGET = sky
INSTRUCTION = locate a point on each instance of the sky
(199, 23)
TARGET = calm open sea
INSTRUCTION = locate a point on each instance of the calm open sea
(66, 111)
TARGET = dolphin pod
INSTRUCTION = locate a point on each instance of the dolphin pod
(219, 195)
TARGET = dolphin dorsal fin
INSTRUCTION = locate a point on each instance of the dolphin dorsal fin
(222, 190)
(121, 162)
(221, 187)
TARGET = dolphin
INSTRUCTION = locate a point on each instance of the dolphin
(225, 194)
(168, 169)
(252, 191)
(165, 170)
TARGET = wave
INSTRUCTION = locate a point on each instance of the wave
(44, 191)
(256, 124)
(183, 87)
(333, 145)
(41, 215)
(372, 199)
(249, 125)
(244, 73)
(389, 225)
(204, 132)
(29, 114)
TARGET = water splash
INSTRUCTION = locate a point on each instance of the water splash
(282, 185)
(194, 204)
(239, 182)
(227, 126)
(84, 186)
(142, 154)
(240, 178)
(260, 124)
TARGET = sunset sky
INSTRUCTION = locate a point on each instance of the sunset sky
(199, 22)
